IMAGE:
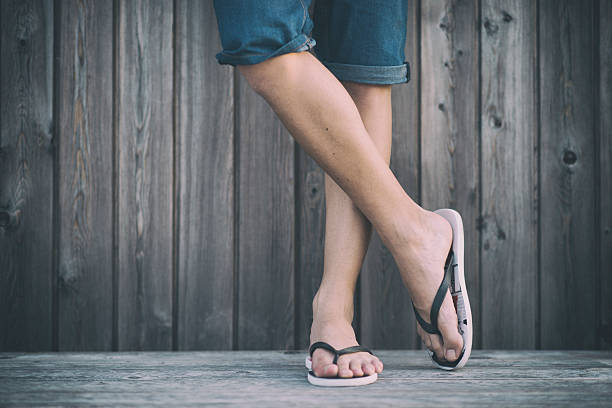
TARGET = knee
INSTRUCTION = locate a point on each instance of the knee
(265, 75)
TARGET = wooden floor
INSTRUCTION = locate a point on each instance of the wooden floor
(269, 378)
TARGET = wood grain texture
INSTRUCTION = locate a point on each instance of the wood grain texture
(386, 316)
(449, 124)
(26, 175)
(604, 128)
(85, 167)
(266, 219)
(310, 235)
(144, 183)
(568, 261)
(509, 183)
(205, 177)
(276, 379)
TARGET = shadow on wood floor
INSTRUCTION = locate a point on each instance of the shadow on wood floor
(271, 378)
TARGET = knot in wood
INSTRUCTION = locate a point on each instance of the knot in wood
(569, 157)
(444, 24)
(490, 27)
(481, 223)
(506, 17)
(495, 122)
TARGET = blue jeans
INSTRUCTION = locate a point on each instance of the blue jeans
(357, 40)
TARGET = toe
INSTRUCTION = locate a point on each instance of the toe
(424, 337)
(322, 364)
(453, 342)
(433, 342)
(368, 368)
(355, 366)
(452, 347)
(329, 370)
(378, 365)
(436, 346)
(343, 368)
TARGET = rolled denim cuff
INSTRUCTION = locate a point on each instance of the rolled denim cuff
(369, 74)
(300, 43)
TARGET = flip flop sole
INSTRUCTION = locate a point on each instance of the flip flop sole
(341, 382)
(337, 382)
(458, 288)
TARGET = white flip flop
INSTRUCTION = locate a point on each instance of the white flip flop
(454, 279)
(337, 381)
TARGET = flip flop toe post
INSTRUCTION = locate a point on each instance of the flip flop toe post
(337, 381)
(454, 279)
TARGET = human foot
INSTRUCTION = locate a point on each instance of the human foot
(332, 324)
(422, 265)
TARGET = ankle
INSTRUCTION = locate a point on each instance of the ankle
(408, 230)
(332, 304)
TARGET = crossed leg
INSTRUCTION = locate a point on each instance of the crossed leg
(347, 234)
(323, 118)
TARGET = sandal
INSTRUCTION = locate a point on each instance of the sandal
(454, 279)
(337, 381)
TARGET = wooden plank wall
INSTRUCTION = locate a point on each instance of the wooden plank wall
(150, 200)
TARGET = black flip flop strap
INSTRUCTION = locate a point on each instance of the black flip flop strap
(354, 349)
(432, 328)
(337, 353)
(323, 345)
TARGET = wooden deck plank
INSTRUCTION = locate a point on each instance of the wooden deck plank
(144, 144)
(205, 182)
(27, 150)
(449, 124)
(568, 261)
(272, 378)
(385, 315)
(85, 162)
(509, 279)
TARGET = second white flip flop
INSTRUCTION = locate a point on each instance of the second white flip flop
(454, 279)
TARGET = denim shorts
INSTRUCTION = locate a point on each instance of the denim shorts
(357, 40)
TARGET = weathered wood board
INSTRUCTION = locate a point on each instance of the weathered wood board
(568, 253)
(204, 177)
(275, 379)
(310, 234)
(27, 149)
(604, 148)
(85, 168)
(508, 120)
(144, 175)
(265, 225)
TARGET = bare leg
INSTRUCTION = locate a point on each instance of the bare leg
(323, 119)
(347, 234)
